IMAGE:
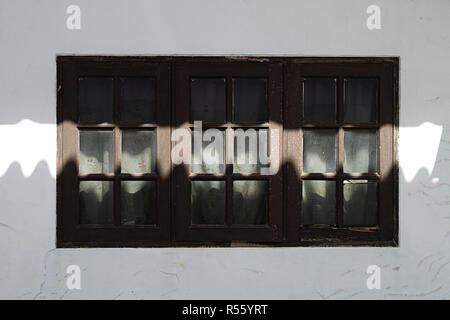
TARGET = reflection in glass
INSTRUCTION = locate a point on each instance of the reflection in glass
(137, 100)
(360, 151)
(95, 151)
(95, 100)
(138, 151)
(96, 202)
(249, 202)
(138, 202)
(319, 151)
(250, 150)
(208, 99)
(249, 100)
(319, 100)
(208, 202)
(319, 202)
(210, 159)
(360, 203)
(360, 100)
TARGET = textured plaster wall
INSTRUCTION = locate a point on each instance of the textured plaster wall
(33, 33)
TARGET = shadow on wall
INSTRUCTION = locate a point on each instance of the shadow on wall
(25, 198)
(27, 228)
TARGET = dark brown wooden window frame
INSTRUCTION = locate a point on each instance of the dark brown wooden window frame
(229, 232)
(285, 75)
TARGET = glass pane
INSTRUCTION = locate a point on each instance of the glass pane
(319, 202)
(360, 100)
(319, 151)
(360, 151)
(249, 202)
(138, 151)
(95, 151)
(137, 100)
(319, 100)
(95, 100)
(208, 100)
(249, 100)
(250, 150)
(210, 158)
(208, 202)
(96, 202)
(360, 203)
(138, 202)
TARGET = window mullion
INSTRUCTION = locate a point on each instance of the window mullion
(117, 151)
(340, 154)
(229, 157)
(229, 152)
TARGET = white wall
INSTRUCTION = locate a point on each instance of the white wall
(32, 33)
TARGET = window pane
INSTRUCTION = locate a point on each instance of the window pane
(319, 202)
(250, 150)
(211, 157)
(208, 99)
(96, 202)
(249, 202)
(249, 100)
(319, 100)
(360, 100)
(138, 202)
(208, 202)
(319, 151)
(95, 151)
(138, 151)
(360, 203)
(360, 151)
(95, 100)
(137, 100)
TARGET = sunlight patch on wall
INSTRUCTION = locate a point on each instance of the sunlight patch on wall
(27, 143)
(418, 148)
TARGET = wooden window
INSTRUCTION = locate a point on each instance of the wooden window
(235, 203)
(340, 128)
(115, 164)
(330, 123)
